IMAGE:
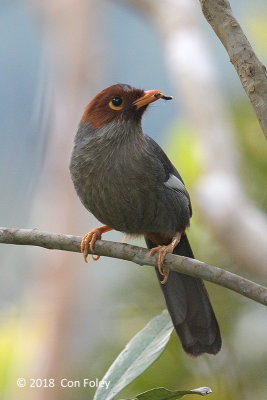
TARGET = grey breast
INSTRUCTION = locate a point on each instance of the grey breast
(122, 183)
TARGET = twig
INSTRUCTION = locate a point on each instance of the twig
(251, 71)
(138, 255)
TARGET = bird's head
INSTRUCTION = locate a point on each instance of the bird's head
(119, 103)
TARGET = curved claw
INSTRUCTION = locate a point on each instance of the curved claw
(89, 241)
(166, 272)
(162, 250)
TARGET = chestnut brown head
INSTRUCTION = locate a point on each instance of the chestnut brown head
(119, 102)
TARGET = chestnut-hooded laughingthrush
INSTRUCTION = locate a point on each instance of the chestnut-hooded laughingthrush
(125, 179)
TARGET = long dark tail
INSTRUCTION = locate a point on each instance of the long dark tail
(190, 309)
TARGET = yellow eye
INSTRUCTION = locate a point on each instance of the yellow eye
(116, 103)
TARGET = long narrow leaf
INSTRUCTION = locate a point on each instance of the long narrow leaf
(165, 394)
(143, 349)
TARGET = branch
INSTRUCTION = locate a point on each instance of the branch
(138, 255)
(251, 71)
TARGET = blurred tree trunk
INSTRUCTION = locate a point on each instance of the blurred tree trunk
(75, 57)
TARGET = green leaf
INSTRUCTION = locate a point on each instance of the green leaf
(165, 394)
(143, 349)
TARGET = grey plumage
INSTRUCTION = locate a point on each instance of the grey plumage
(125, 189)
(127, 181)
(175, 184)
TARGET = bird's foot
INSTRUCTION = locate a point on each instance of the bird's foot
(89, 241)
(163, 251)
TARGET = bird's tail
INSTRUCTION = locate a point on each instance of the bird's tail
(190, 309)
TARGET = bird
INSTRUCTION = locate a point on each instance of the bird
(125, 179)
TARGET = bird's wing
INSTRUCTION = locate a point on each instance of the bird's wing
(166, 163)
(173, 179)
(186, 297)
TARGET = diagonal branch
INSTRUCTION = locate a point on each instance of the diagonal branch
(251, 71)
(138, 255)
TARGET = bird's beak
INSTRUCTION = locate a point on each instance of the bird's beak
(149, 97)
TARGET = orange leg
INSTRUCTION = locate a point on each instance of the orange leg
(89, 241)
(163, 250)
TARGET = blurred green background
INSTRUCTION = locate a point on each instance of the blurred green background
(60, 317)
